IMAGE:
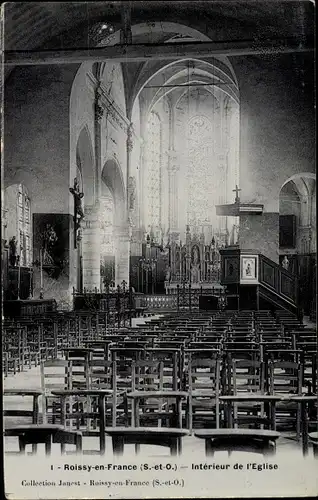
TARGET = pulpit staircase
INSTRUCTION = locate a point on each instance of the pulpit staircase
(277, 286)
(271, 286)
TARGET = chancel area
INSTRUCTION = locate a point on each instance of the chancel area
(159, 225)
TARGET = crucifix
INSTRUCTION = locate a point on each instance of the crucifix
(236, 191)
(78, 210)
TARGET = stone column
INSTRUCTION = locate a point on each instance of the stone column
(122, 251)
(98, 115)
(129, 148)
(91, 248)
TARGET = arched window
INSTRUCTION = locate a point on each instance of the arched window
(24, 226)
(153, 172)
(200, 156)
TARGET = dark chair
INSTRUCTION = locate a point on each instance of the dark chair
(47, 434)
(154, 436)
(256, 441)
(313, 439)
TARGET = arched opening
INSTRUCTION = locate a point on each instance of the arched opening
(85, 167)
(190, 119)
(85, 178)
(114, 229)
(107, 255)
(18, 222)
(17, 242)
(297, 233)
(153, 174)
(112, 177)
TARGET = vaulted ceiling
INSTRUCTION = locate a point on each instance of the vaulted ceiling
(30, 25)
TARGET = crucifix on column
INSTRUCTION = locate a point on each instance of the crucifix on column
(236, 191)
(78, 210)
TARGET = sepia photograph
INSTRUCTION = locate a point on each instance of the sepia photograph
(158, 249)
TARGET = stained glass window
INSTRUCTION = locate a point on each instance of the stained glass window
(153, 171)
(24, 229)
(200, 180)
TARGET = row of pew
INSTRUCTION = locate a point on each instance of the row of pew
(222, 372)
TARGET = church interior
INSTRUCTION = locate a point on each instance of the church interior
(158, 226)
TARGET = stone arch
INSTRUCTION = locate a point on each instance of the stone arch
(308, 175)
(86, 166)
(168, 83)
(113, 178)
(216, 69)
(297, 196)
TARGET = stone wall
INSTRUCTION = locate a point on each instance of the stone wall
(277, 127)
(260, 232)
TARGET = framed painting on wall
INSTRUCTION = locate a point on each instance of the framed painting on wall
(249, 268)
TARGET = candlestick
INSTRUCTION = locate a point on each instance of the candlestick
(41, 275)
(30, 297)
(19, 278)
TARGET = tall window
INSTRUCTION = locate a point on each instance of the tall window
(24, 226)
(200, 178)
(153, 172)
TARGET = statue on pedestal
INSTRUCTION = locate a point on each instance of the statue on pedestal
(78, 210)
(285, 263)
(195, 265)
(168, 274)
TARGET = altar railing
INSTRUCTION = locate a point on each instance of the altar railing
(161, 302)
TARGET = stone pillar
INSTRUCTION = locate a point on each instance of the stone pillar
(99, 111)
(304, 242)
(91, 248)
(129, 148)
(122, 251)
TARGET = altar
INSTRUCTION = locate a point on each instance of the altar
(204, 288)
(195, 264)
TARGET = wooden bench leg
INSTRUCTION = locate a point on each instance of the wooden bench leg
(174, 447)
(208, 448)
(102, 417)
(118, 445)
(21, 444)
(269, 448)
(179, 442)
(48, 445)
(79, 443)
